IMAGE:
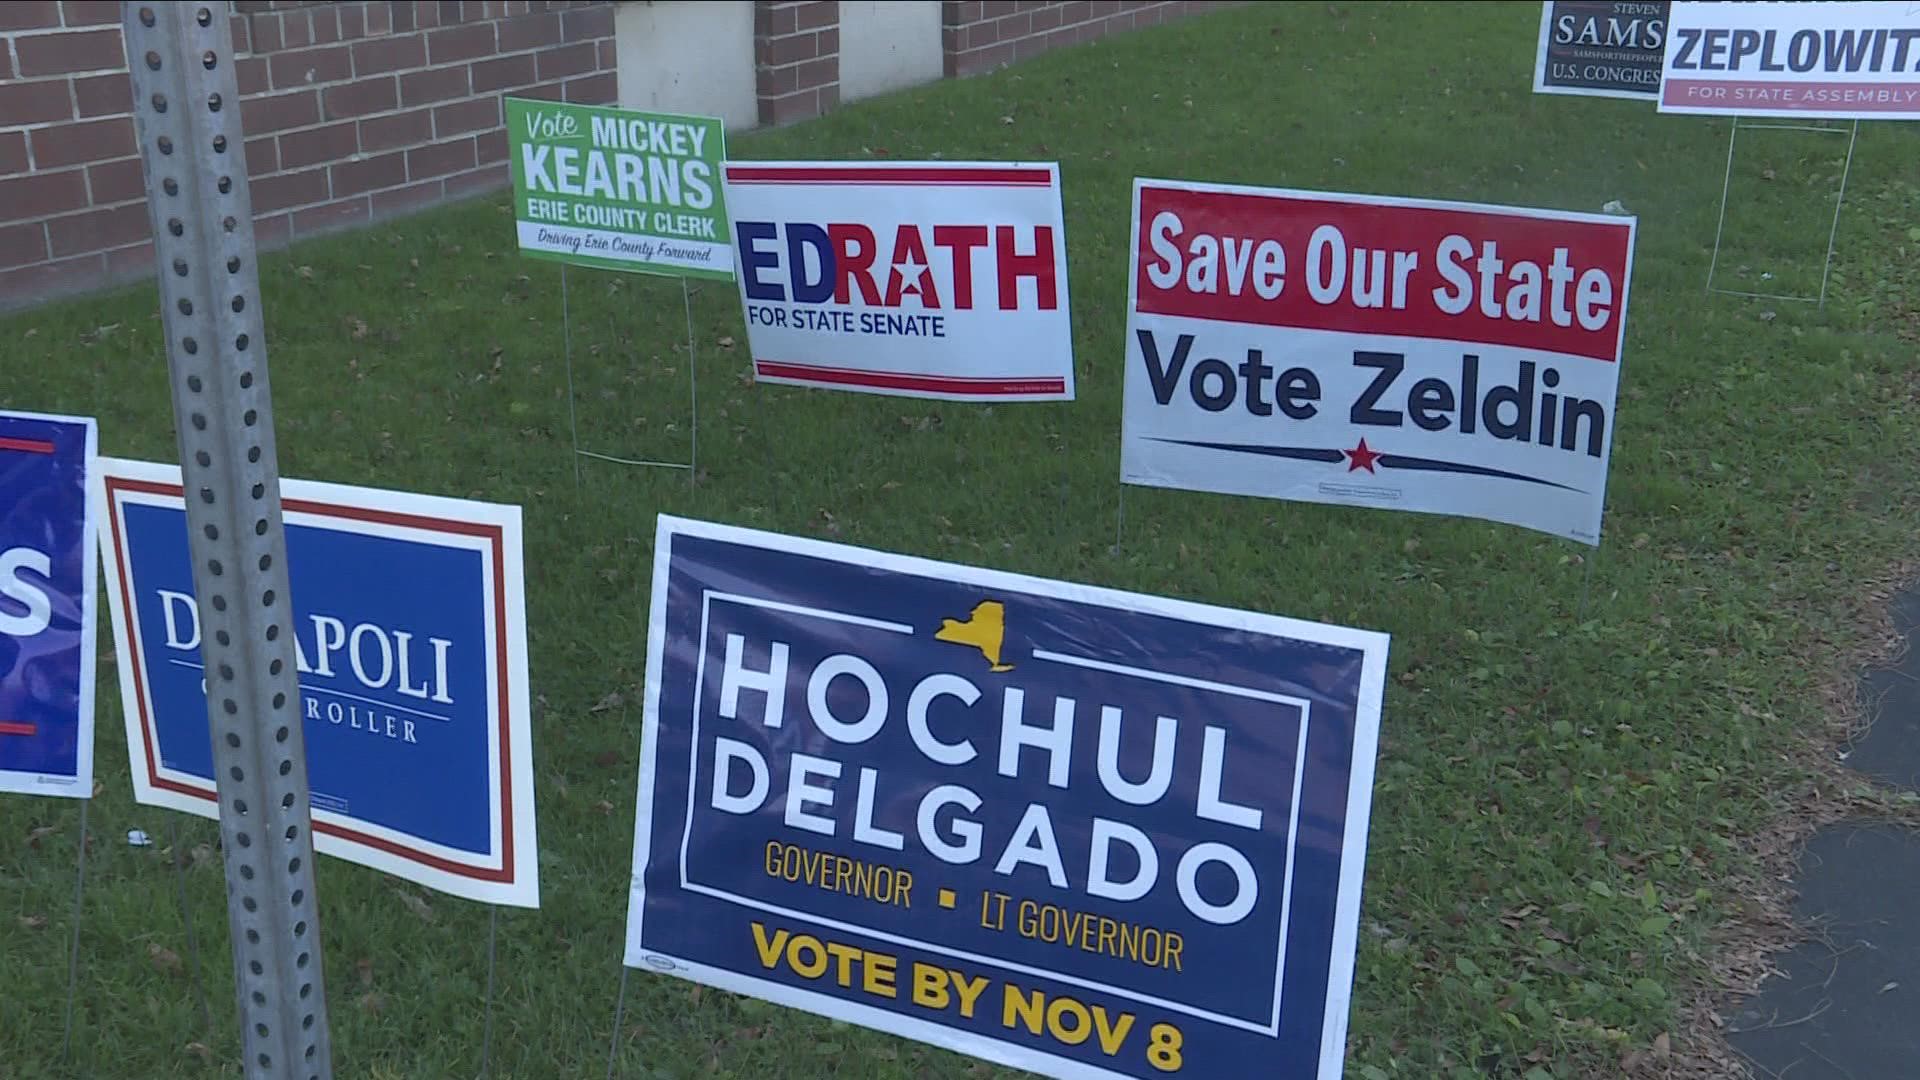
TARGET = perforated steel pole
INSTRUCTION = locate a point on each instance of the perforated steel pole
(186, 103)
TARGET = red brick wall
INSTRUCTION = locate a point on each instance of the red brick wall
(354, 112)
(980, 36)
(796, 58)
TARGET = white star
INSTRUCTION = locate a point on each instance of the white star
(910, 273)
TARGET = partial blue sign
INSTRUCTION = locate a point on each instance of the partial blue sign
(409, 628)
(1077, 831)
(47, 581)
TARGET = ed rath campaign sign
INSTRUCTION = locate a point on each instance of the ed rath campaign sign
(47, 605)
(1600, 48)
(936, 280)
(1408, 354)
(1836, 61)
(619, 190)
(1078, 831)
(409, 625)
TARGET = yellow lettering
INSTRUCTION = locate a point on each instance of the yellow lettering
(929, 986)
(876, 977)
(1163, 1047)
(846, 954)
(1174, 944)
(903, 887)
(768, 948)
(1061, 1008)
(970, 990)
(813, 968)
(1112, 1034)
(1029, 1011)
(773, 858)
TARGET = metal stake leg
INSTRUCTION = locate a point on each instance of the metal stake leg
(486, 1037)
(73, 954)
(693, 392)
(619, 1008)
(566, 331)
(1726, 185)
(1833, 233)
(186, 919)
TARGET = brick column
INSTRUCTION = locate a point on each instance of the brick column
(796, 56)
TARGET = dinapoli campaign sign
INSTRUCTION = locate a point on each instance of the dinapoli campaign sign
(1082, 832)
(1443, 357)
(409, 627)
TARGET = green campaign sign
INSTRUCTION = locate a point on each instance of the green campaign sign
(620, 189)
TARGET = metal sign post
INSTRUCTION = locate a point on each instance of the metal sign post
(186, 106)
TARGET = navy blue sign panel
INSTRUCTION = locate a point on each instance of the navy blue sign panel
(47, 576)
(409, 636)
(1077, 831)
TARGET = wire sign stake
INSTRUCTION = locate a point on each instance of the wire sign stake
(1833, 231)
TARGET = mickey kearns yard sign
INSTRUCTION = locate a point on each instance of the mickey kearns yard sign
(620, 190)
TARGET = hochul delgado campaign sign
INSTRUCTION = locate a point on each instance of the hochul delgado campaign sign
(409, 628)
(47, 604)
(1408, 354)
(939, 280)
(1082, 832)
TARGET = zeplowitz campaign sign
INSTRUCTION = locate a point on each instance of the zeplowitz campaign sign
(938, 280)
(1079, 831)
(409, 627)
(1442, 357)
(1838, 61)
(618, 189)
(1600, 48)
(47, 612)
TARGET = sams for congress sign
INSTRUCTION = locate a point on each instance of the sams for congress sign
(1077, 831)
(47, 573)
(409, 627)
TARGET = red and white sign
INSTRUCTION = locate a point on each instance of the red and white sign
(932, 280)
(1442, 357)
(1837, 61)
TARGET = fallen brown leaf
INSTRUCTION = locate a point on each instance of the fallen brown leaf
(164, 959)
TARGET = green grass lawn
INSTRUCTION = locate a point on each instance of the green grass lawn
(1567, 796)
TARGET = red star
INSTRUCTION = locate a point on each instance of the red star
(1361, 458)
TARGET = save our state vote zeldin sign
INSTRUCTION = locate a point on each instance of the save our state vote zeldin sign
(408, 619)
(1082, 832)
(1442, 357)
(618, 189)
(47, 604)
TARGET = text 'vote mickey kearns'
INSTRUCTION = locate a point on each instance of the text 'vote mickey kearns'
(742, 782)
